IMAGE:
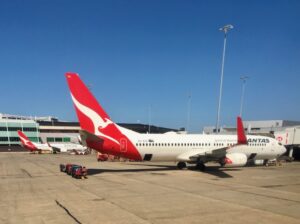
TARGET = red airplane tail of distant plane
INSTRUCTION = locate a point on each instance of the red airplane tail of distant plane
(26, 143)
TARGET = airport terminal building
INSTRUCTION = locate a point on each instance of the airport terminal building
(37, 129)
(10, 125)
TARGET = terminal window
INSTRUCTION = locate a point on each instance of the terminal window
(29, 129)
(58, 139)
(3, 139)
(14, 128)
(14, 139)
(66, 139)
(50, 139)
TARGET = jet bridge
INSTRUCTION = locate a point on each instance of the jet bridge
(290, 138)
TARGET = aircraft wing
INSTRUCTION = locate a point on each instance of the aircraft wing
(217, 154)
(204, 156)
(213, 155)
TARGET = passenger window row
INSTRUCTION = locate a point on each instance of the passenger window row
(191, 144)
(183, 144)
(172, 144)
(257, 144)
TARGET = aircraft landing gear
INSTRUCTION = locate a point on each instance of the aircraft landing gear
(181, 165)
(266, 162)
(200, 166)
(222, 164)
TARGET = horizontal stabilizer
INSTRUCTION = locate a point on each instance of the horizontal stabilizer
(89, 137)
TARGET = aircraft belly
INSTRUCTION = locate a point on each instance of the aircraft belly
(159, 154)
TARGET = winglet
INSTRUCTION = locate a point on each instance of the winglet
(242, 139)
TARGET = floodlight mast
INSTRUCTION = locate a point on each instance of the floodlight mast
(224, 29)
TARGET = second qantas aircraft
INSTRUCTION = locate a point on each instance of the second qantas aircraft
(102, 134)
(47, 148)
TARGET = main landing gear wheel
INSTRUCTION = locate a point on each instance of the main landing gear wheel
(200, 166)
(181, 165)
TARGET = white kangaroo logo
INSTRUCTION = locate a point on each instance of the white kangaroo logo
(24, 140)
(97, 120)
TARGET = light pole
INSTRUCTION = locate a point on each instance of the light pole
(149, 118)
(243, 78)
(188, 112)
(224, 29)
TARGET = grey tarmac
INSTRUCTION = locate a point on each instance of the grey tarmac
(33, 190)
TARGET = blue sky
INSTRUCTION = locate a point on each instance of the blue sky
(139, 53)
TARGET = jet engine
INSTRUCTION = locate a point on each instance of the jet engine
(234, 159)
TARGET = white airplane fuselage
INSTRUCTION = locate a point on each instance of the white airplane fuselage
(42, 146)
(172, 146)
(66, 147)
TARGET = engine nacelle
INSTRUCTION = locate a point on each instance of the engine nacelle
(259, 162)
(234, 159)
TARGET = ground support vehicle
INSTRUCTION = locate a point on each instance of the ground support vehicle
(79, 172)
(62, 167)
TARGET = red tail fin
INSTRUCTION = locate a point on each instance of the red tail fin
(242, 139)
(26, 142)
(93, 119)
(90, 114)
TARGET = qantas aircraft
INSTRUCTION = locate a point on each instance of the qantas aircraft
(102, 134)
(32, 146)
(53, 147)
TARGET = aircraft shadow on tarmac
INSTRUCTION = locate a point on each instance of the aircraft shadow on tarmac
(97, 171)
(212, 170)
(215, 171)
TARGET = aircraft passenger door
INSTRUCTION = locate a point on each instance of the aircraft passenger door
(123, 145)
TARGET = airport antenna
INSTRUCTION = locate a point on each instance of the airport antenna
(224, 29)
